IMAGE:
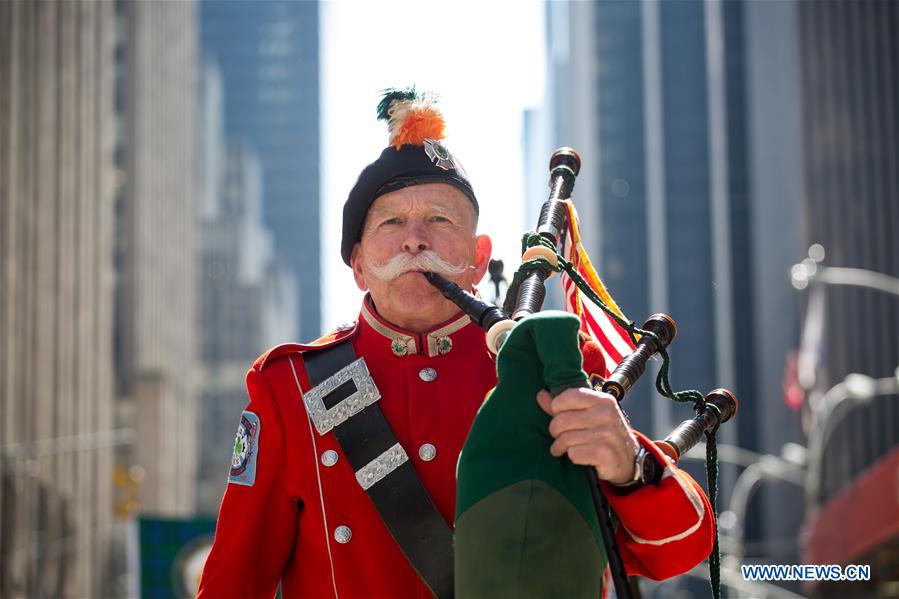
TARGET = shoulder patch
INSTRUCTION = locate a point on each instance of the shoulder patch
(344, 332)
(246, 449)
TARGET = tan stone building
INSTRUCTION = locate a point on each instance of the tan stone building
(57, 179)
(155, 338)
(97, 278)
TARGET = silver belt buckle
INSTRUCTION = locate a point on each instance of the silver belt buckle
(366, 393)
(381, 466)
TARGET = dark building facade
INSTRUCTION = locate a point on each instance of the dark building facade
(661, 190)
(773, 166)
(268, 53)
(850, 89)
(686, 115)
(646, 198)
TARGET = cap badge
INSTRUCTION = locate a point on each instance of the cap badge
(441, 157)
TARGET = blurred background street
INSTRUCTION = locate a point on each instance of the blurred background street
(171, 181)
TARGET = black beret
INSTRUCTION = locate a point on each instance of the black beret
(396, 169)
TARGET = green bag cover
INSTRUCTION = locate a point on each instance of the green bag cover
(525, 521)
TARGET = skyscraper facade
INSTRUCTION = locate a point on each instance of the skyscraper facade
(679, 206)
(652, 118)
(57, 177)
(773, 111)
(247, 297)
(850, 88)
(156, 342)
(269, 59)
(240, 287)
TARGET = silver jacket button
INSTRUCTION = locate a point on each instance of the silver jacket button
(343, 534)
(427, 452)
(427, 374)
(330, 457)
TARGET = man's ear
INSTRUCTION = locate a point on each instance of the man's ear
(356, 263)
(483, 251)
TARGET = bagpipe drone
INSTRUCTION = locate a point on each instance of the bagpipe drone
(514, 500)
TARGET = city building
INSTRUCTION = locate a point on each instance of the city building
(851, 209)
(57, 180)
(686, 121)
(156, 341)
(662, 192)
(269, 59)
(773, 113)
(247, 297)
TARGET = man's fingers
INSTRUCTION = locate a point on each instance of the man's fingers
(572, 399)
(544, 400)
(579, 399)
(569, 439)
(590, 429)
(597, 416)
(592, 436)
(611, 454)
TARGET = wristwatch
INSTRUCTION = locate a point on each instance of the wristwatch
(647, 471)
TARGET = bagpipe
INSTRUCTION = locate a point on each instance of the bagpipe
(514, 500)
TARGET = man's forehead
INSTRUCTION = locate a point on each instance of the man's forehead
(434, 196)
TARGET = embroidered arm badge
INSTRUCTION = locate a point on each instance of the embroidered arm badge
(246, 448)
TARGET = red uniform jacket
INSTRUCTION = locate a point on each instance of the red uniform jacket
(284, 503)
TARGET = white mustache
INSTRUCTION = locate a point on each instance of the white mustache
(427, 261)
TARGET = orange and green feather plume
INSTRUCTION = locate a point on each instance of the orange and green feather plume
(411, 117)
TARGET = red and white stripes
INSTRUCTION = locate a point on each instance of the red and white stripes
(613, 340)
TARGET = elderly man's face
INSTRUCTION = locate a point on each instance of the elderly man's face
(411, 230)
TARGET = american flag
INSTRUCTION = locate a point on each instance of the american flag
(613, 340)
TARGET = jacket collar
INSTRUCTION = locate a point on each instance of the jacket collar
(435, 342)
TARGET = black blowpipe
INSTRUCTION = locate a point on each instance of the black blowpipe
(564, 165)
(484, 314)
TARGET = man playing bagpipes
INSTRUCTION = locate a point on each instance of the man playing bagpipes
(343, 479)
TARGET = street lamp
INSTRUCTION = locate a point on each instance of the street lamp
(810, 270)
(789, 466)
(853, 391)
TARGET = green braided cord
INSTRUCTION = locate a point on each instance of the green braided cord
(711, 465)
(525, 268)
(663, 384)
(512, 291)
(531, 239)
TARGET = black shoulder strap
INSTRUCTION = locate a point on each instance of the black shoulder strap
(384, 470)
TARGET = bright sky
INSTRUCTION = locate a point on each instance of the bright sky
(486, 62)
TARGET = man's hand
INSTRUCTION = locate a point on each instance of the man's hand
(588, 425)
